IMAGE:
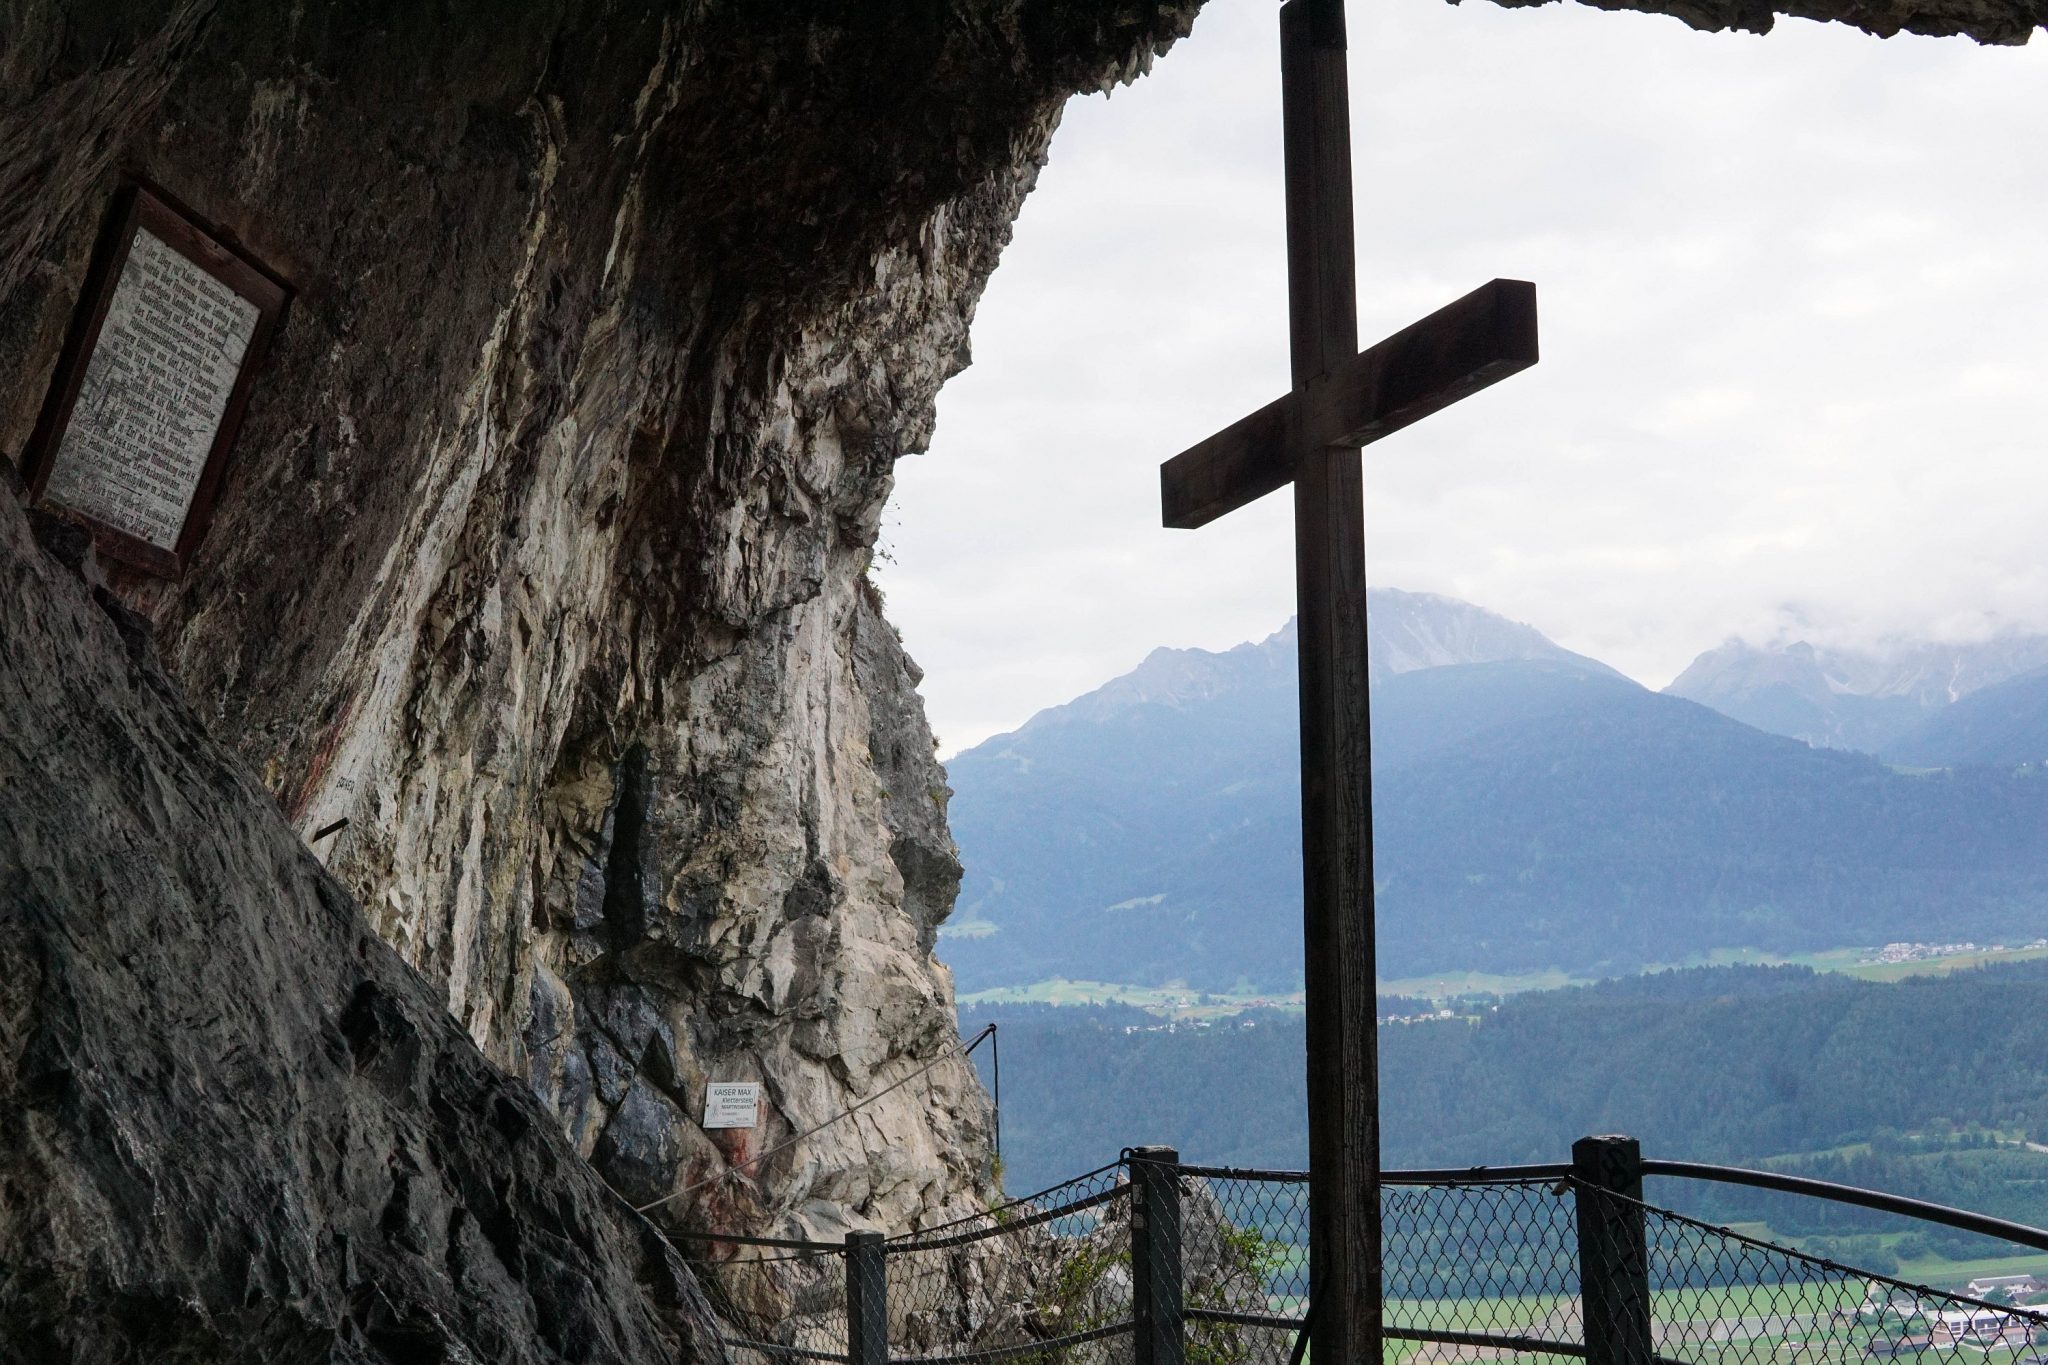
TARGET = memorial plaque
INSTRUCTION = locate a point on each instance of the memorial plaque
(732, 1104)
(152, 385)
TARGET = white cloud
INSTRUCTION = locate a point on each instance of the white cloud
(1793, 293)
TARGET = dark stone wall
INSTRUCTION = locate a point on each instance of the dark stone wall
(234, 1126)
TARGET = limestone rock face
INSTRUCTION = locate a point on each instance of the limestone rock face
(541, 562)
(234, 1126)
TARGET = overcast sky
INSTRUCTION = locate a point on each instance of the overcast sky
(1794, 300)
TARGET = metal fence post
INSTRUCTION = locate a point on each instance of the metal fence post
(867, 1300)
(1155, 1257)
(1614, 1252)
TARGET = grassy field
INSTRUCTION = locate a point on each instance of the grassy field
(1178, 1001)
(1808, 1322)
(1937, 1272)
(1448, 985)
(1941, 966)
(1521, 1312)
(1847, 961)
(1169, 1002)
(1818, 1320)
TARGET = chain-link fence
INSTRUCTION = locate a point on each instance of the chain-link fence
(780, 1300)
(1244, 1262)
(1154, 1262)
(1715, 1295)
(1040, 1280)
(1475, 1268)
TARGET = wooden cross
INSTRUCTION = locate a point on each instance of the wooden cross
(1343, 399)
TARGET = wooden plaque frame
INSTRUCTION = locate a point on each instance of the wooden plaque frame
(137, 207)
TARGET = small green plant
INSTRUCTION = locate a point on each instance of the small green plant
(1071, 1300)
(1245, 1261)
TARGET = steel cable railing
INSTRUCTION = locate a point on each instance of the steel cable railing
(1157, 1262)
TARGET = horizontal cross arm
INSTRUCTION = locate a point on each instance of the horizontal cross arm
(1453, 353)
(1239, 464)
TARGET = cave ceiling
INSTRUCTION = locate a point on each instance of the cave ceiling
(1987, 21)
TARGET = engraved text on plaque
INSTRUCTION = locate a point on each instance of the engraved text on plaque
(145, 403)
(153, 396)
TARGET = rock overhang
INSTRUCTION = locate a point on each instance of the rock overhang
(1992, 22)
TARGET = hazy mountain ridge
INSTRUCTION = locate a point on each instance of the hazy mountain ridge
(2003, 725)
(1178, 678)
(1851, 699)
(1185, 773)
(1407, 631)
(1532, 811)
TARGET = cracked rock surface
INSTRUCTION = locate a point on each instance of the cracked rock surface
(234, 1126)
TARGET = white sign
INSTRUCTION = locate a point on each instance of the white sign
(732, 1104)
(154, 394)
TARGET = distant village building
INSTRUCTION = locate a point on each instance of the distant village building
(2011, 1284)
(1980, 1328)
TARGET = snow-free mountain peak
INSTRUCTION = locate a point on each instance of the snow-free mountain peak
(1415, 630)
(1405, 632)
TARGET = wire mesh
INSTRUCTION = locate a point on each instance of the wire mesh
(777, 1306)
(1466, 1264)
(1244, 1264)
(1719, 1296)
(1039, 1281)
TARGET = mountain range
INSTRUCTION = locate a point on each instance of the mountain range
(2003, 724)
(1534, 809)
(1870, 699)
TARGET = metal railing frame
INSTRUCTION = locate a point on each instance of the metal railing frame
(1961, 1219)
(1613, 1258)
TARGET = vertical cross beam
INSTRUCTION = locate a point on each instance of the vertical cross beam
(1336, 766)
(1342, 399)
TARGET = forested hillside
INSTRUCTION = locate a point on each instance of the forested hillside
(2005, 725)
(1628, 829)
(1733, 1065)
